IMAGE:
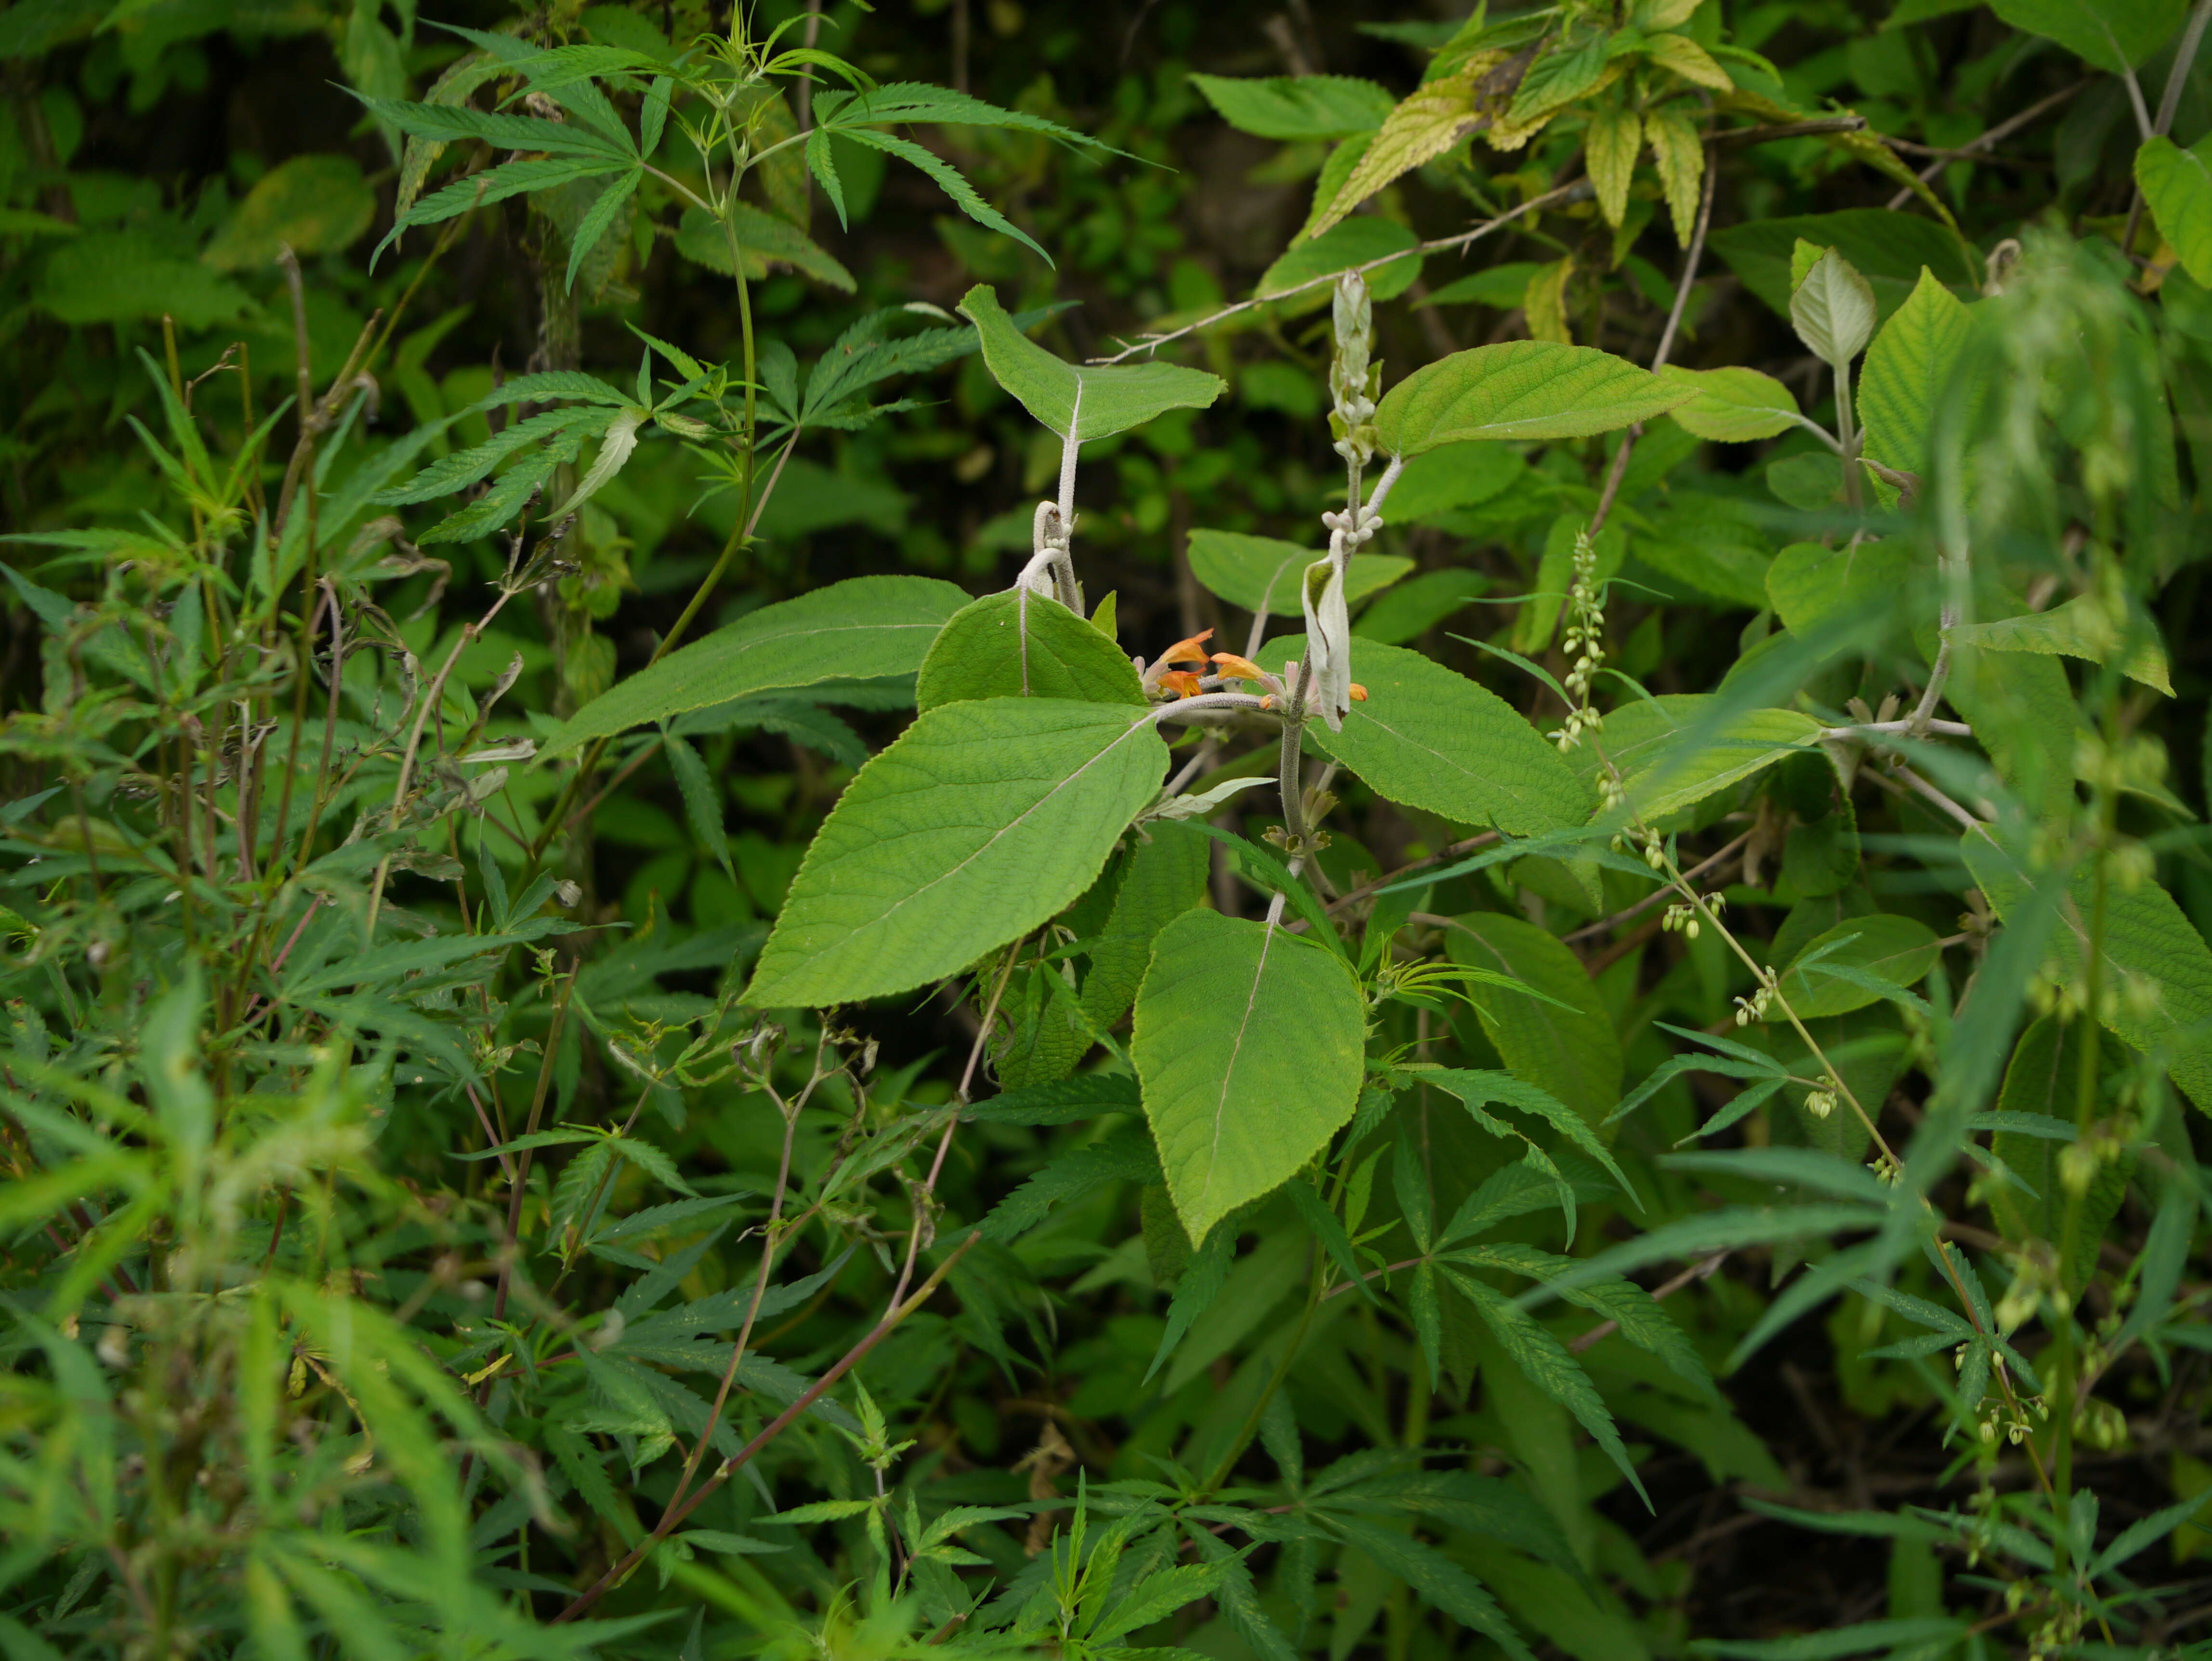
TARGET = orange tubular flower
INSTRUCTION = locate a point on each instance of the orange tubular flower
(1182, 683)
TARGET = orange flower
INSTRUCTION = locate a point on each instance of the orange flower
(1358, 693)
(1232, 667)
(1187, 651)
(1183, 682)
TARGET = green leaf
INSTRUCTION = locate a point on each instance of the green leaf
(2177, 184)
(1521, 389)
(980, 823)
(1356, 241)
(949, 181)
(1889, 249)
(450, 123)
(2156, 966)
(1899, 950)
(616, 445)
(1545, 1363)
(2044, 1081)
(1572, 1052)
(1156, 1598)
(1833, 309)
(762, 239)
(1250, 1042)
(862, 629)
(1020, 644)
(2081, 628)
(2112, 35)
(899, 103)
(1453, 476)
(1910, 368)
(1480, 1088)
(1430, 738)
(592, 228)
(114, 276)
(1810, 580)
(1672, 751)
(312, 205)
(1080, 401)
(1296, 107)
(1412, 609)
(1262, 573)
(1733, 405)
(1165, 877)
(1436, 1578)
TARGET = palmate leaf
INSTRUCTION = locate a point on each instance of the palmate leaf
(465, 467)
(1547, 1364)
(863, 629)
(1249, 1041)
(980, 823)
(514, 179)
(451, 123)
(899, 103)
(1436, 1578)
(948, 180)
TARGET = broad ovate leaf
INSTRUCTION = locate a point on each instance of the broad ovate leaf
(1832, 307)
(1296, 108)
(1733, 405)
(2112, 35)
(1675, 750)
(1020, 644)
(863, 629)
(1080, 401)
(1249, 1043)
(1909, 369)
(1300, 276)
(984, 819)
(2177, 186)
(1899, 950)
(1428, 737)
(2082, 628)
(1262, 573)
(1522, 390)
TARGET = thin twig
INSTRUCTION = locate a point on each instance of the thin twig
(1695, 253)
(1703, 1271)
(1558, 197)
(2002, 130)
(1632, 913)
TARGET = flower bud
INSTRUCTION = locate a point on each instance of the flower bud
(1327, 677)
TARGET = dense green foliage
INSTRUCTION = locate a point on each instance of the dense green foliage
(1272, 834)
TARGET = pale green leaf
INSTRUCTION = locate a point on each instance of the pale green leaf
(2081, 628)
(2177, 184)
(1810, 580)
(862, 629)
(761, 239)
(1833, 309)
(1521, 389)
(1250, 1042)
(982, 820)
(1609, 150)
(1083, 401)
(1733, 405)
(2044, 1082)
(1421, 128)
(1910, 369)
(314, 203)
